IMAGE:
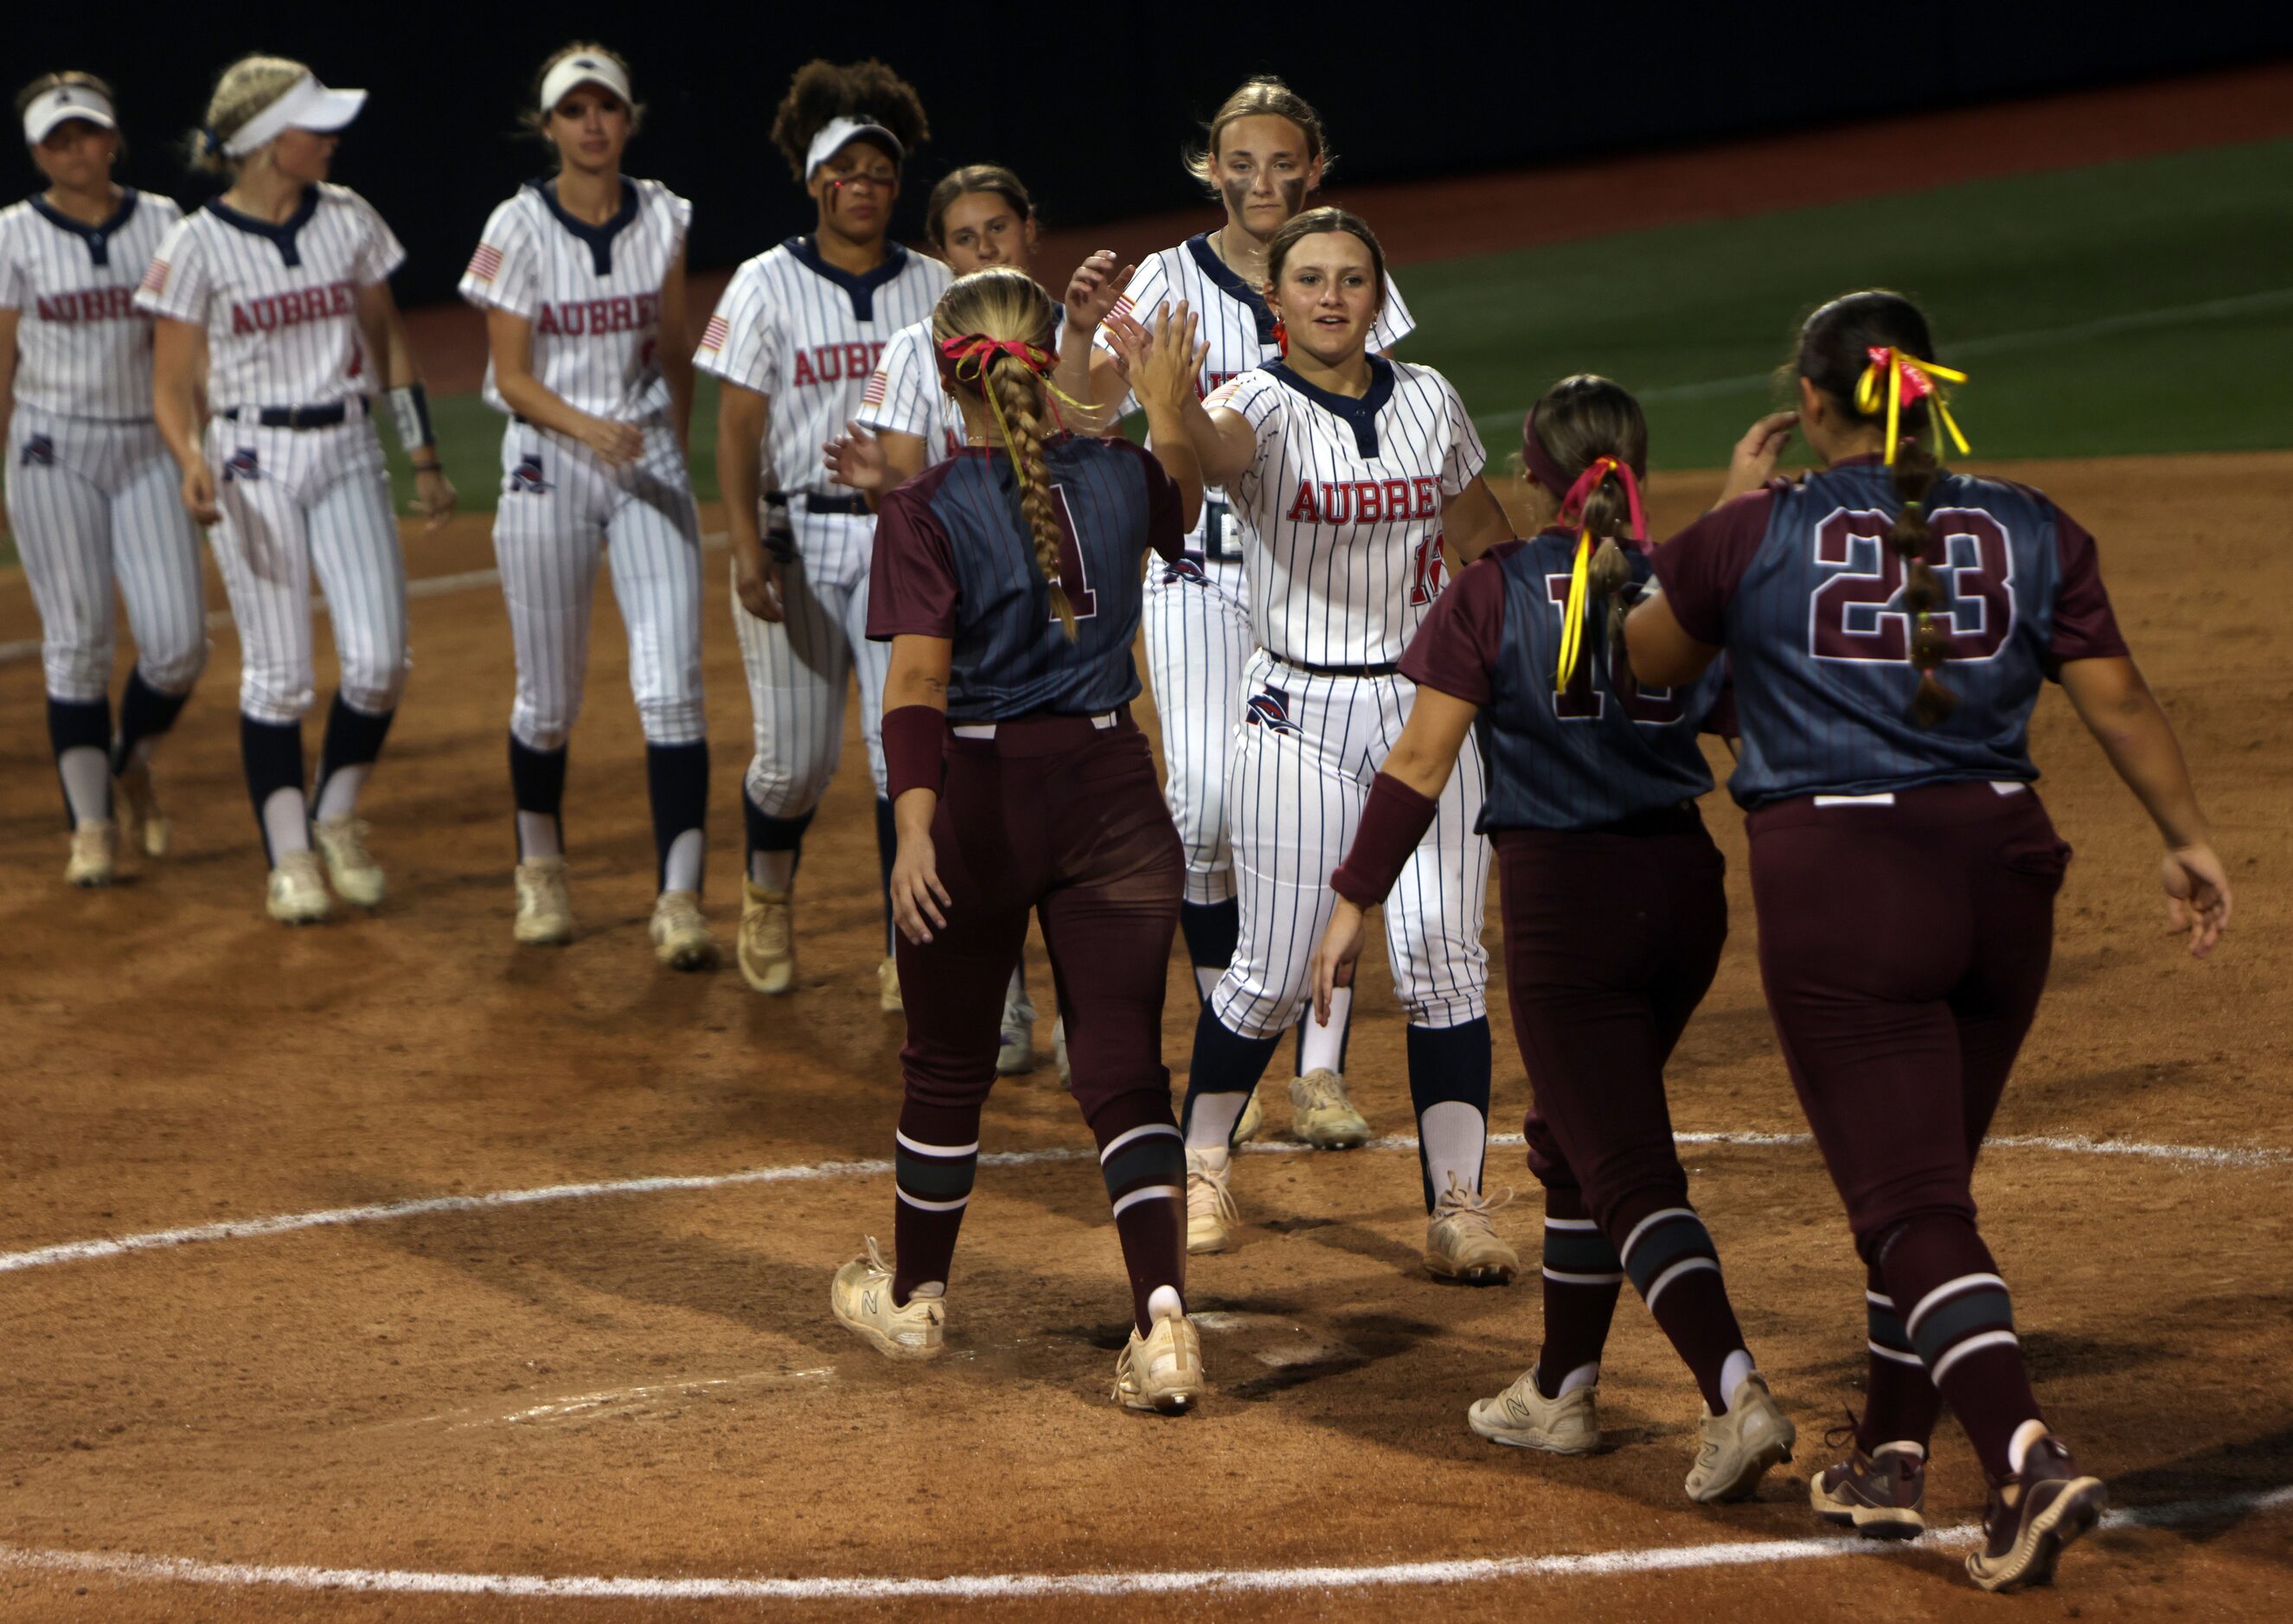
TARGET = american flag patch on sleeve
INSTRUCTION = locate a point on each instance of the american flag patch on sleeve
(155, 278)
(485, 262)
(713, 336)
(1122, 307)
(873, 395)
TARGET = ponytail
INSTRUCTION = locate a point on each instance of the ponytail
(1607, 512)
(1016, 390)
(1911, 460)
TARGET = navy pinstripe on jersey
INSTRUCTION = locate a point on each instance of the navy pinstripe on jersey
(1010, 657)
(906, 396)
(1341, 507)
(1234, 322)
(1572, 759)
(83, 350)
(794, 328)
(279, 303)
(592, 293)
(1818, 642)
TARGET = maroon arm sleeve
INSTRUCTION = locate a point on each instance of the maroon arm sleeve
(911, 584)
(2084, 627)
(1392, 825)
(915, 747)
(1700, 567)
(1457, 646)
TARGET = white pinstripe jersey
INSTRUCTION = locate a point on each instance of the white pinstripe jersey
(279, 303)
(592, 293)
(1235, 323)
(1341, 507)
(83, 350)
(905, 394)
(793, 327)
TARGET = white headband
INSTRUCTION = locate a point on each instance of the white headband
(840, 132)
(54, 107)
(306, 105)
(584, 68)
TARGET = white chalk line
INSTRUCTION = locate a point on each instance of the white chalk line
(281, 1223)
(428, 587)
(1024, 1587)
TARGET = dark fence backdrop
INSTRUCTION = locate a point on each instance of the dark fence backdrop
(1090, 104)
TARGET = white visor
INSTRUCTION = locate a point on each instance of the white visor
(840, 132)
(584, 68)
(65, 101)
(307, 105)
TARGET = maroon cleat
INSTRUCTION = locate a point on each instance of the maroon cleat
(2033, 1515)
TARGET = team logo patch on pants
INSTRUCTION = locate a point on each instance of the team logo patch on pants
(527, 475)
(1270, 708)
(39, 452)
(242, 464)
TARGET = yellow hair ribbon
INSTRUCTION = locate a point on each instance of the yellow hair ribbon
(1907, 374)
(1572, 618)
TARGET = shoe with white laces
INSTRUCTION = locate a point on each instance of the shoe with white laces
(1462, 1242)
(861, 1296)
(297, 890)
(1016, 1056)
(1210, 1211)
(150, 830)
(1522, 1417)
(2034, 1516)
(350, 867)
(1880, 1496)
(1740, 1447)
(1322, 1115)
(680, 935)
(766, 949)
(887, 987)
(1163, 1370)
(545, 911)
(94, 858)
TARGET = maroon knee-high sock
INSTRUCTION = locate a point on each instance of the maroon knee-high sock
(937, 1154)
(1144, 1160)
(1900, 1404)
(1675, 1268)
(1582, 1280)
(1961, 1320)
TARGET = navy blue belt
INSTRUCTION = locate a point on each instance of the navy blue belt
(854, 503)
(325, 417)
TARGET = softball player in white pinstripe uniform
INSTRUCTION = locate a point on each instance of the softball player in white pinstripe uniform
(582, 279)
(1346, 471)
(91, 489)
(285, 279)
(794, 338)
(1264, 156)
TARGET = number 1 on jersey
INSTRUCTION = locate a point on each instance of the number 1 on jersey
(1072, 576)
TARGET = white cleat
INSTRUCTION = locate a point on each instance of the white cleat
(1210, 1213)
(766, 946)
(1162, 1371)
(94, 858)
(350, 867)
(862, 1297)
(545, 911)
(297, 892)
(680, 935)
(1462, 1243)
(1323, 1116)
(1525, 1420)
(1737, 1448)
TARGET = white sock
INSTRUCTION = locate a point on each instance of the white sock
(930, 1288)
(686, 853)
(338, 796)
(285, 823)
(86, 770)
(1211, 1126)
(1583, 1376)
(1163, 1303)
(1206, 979)
(537, 836)
(772, 870)
(1455, 1138)
(1733, 1369)
(1323, 1047)
(2019, 1445)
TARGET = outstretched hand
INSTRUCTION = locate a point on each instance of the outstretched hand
(1094, 289)
(1163, 363)
(855, 460)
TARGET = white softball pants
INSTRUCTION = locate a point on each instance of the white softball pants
(1196, 619)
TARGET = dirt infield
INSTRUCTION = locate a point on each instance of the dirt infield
(648, 1383)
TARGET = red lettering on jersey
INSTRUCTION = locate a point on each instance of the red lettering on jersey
(625, 319)
(804, 368)
(291, 309)
(828, 361)
(857, 362)
(1369, 501)
(1337, 502)
(1212, 380)
(1397, 498)
(548, 320)
(1303, 510)
(1428, 496)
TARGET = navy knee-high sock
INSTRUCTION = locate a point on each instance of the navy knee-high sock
(676, 781)
(353, 738)
(272, 754)
(1226, 1065)
(1448, 1068)
(887, 847)
(144, 713)
(536, 785)
(1211, 929)
(79, 724)
(762, 832)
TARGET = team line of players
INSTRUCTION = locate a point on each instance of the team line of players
(1307, 496)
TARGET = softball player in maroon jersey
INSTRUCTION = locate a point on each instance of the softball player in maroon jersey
(1613, 917)
(286, 279)
(1888, 626)
(1007, 580)
(91, 489)
(581, 277)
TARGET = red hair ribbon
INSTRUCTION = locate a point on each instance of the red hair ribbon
(1572, 512)
(977, 350)
(1572, 502)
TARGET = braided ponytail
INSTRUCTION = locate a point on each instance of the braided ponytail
(1608, 516)
(1020, 394)
(1915, 473)
(1573, 425)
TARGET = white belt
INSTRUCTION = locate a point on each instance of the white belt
(2003, 786)
(987, 730)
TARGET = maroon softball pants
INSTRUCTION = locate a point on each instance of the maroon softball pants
(1904, 945)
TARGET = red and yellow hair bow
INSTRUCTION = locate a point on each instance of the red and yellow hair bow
(1572, 512)
(1895, 376)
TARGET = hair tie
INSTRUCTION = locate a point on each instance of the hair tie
(1897, 375)
(1572, 510)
